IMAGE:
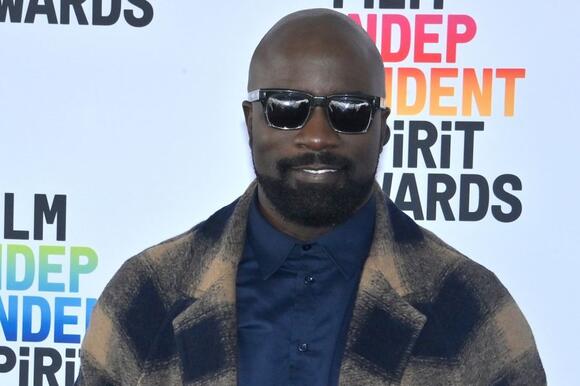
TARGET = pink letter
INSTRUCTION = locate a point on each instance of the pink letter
(454, 37)
(422, 37)
(386, 47)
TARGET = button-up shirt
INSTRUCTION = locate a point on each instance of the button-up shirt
(295, 299)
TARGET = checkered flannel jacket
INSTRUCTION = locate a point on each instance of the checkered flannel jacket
(424, 313)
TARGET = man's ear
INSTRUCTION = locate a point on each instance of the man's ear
(385, 130)
(247, 107)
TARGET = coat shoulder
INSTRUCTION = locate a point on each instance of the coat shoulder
(430, 267)
(424, 260)
(180, 247)
(158, 279)
(471, 318)
(174, 263)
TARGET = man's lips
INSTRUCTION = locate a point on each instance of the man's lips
(315, 166)
(317, 169)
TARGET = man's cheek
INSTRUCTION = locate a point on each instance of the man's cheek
(263, 161)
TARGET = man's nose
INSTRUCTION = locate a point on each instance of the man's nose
(317, 134)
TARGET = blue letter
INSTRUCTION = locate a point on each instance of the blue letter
(9, 323)
(42, 304)
(60, 319)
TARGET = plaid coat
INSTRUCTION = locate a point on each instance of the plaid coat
(424, 314)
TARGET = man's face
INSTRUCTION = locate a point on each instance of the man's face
(316, 176)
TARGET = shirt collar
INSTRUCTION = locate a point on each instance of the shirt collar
(347, 244)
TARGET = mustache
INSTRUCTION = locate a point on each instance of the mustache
(325, 158)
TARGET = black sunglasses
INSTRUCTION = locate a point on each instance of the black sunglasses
(349, 113)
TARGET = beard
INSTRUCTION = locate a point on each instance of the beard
(316, 204)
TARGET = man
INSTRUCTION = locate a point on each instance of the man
(312, 277)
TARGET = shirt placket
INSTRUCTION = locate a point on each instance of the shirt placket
(302, 352)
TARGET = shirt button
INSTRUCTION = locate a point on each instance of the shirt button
(303, 347)
(308, 279)
(306, 247)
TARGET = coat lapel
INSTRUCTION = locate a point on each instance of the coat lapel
(384, 327)
(205, 335)
(206, 331)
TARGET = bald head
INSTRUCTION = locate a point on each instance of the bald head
(317, 50)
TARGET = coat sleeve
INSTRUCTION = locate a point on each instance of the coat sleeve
(498, 346)
(116, 342)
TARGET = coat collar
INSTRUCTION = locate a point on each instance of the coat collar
(381, 334)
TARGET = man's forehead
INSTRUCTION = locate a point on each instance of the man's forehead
(320, 51)
(320, 73)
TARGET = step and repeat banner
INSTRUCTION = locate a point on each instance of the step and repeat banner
(121, 125)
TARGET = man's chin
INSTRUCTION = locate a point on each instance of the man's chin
(315, 204)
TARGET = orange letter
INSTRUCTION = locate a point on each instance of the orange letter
(510, 75)
(471, 90)
(438, 91)
(420, 91)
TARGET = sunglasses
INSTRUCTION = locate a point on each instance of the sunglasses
(350, 113)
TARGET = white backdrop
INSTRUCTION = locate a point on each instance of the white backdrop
(141, 128)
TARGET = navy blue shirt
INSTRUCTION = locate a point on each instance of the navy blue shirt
(295, 300)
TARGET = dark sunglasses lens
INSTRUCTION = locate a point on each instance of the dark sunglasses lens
(349, 115)
(287, 110)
